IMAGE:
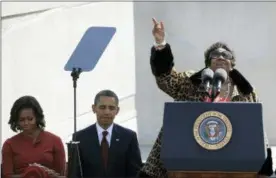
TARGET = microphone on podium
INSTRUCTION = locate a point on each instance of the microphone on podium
(207, 78)
(219, 78)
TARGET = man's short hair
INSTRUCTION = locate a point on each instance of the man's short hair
(107, 93)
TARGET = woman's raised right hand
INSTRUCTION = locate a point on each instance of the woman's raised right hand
(158, 31)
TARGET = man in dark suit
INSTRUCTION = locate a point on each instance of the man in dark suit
(107, 149)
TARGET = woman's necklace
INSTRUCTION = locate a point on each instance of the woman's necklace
(225, 92)
(224, 95)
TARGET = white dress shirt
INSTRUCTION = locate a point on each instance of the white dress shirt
(100, 133)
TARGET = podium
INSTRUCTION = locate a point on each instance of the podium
(213, 140)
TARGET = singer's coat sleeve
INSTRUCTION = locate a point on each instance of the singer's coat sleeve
(167, 79)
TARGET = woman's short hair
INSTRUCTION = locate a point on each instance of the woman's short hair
(214, 47)
(26, 102)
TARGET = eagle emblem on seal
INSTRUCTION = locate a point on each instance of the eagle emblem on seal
(212, 130)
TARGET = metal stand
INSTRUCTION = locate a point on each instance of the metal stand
(74, 162)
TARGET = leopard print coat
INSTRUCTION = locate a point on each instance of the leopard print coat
(184, 86)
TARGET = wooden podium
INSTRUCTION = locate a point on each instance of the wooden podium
(213, 140)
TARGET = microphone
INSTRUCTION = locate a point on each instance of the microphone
(220, 77)
(206, 78)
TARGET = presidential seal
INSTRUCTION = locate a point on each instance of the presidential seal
(212, 130)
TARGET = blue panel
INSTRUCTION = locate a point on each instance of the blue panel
(90, 48)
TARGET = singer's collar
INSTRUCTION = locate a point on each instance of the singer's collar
(235, 77)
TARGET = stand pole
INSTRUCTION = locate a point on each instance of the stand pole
(74, 162)
(75, 75)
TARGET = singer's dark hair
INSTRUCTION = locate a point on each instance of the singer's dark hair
(26, 102)
(214, 47)
(107, 93)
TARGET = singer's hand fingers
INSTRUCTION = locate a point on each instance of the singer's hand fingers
(162, 25)
(154, 21)
(156, 29)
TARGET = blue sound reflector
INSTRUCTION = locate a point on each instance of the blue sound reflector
(90, 48)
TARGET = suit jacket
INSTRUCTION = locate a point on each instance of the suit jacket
(124, 158)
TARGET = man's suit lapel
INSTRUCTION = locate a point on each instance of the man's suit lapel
(115, 145)
(94, 145)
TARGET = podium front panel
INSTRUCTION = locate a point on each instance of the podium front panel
(244, 152)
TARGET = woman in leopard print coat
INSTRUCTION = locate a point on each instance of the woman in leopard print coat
(186, 86)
